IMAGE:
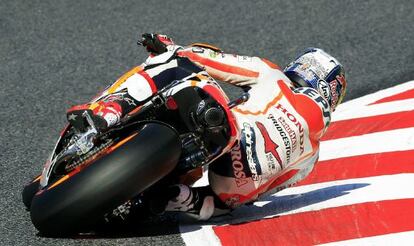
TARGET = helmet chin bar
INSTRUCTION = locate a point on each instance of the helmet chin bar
(297, 81)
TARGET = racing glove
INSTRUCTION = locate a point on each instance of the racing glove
(155, 43)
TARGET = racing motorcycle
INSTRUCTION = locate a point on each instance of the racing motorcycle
(93, 176)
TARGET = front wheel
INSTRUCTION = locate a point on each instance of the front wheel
(78, 202)
(29, 191)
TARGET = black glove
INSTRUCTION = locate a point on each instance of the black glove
(155, 43)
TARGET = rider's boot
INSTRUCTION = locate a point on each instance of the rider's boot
(198, 203)
(103, 115)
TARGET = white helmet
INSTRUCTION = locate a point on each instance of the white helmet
(317, 69)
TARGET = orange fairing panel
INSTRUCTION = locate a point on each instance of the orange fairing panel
(123, 78)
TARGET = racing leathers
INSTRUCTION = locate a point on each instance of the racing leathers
(280, 126)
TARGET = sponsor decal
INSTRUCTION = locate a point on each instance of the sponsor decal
(130, 101)
(271, 161)
(249, 140)
(244, 58)
(284, 137)
(334, 88)
(270, 145)
(296, 122)
(290, 132)
(197, 50)
(306, 72)
(333, 85)
(238, 167)
(233, 201)
(213, 54)
(314, 94)
(119, 96)
(72, 117)
(200, 107)
(324, 89)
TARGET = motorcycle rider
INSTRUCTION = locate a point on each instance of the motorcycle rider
(280, 125)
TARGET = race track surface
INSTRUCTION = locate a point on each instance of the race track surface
(54, 54)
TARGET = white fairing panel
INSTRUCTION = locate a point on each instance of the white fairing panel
(138, 87)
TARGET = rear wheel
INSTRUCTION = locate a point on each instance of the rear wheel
(75, 203)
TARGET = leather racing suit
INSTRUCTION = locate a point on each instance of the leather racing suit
(281, 127)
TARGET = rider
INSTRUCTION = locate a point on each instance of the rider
(280, 125)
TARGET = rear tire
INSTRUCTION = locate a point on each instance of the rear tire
(79, 202)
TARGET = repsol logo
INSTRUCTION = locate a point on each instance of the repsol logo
(323, 104)
(296, 122)
(238, 168)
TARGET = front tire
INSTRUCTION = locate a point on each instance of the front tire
(80, 201)
(29, 191)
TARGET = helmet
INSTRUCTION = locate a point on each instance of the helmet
(317, 69)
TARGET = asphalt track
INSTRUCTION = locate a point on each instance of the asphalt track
(54, 54)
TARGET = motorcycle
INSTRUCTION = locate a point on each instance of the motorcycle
(93, 176)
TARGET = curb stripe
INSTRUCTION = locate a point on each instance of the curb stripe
(400, 239)
(394, 140)
(375, 110)
(366, 125)
(401, 96)
(325, 195)
(362, 166)
(306, 198)
(370, 98)
(309, 228)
